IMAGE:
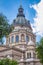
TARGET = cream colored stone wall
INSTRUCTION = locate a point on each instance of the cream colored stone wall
(38, 63)
(19, 31)
(14, 54)
(17, 55)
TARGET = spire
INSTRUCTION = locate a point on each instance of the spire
(20, 11)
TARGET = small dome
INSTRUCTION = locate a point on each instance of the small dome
(31, 43)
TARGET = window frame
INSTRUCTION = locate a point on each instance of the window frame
(12, 39)
(28, 55)
(17, 38)
(27, 39)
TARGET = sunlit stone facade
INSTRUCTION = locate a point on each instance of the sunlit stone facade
(21, 42)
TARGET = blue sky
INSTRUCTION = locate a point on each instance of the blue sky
(10, 9)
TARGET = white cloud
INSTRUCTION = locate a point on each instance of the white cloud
(38, 21)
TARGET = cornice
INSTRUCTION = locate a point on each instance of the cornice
(10, 48)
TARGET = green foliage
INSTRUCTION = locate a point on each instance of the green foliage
(14, 62)
(5, 28)
(8, 62)
(39, 50)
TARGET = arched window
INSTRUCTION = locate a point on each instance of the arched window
(22, 37)
(17, 38)
(28, 55)
(27, 38)
(12, 39)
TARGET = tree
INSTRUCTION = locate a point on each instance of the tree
(39, 50)
(5, 28)
(8, 62)
(14, 62)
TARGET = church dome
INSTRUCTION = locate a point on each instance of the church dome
(21, 20)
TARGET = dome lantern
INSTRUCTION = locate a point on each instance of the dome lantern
(20, 12)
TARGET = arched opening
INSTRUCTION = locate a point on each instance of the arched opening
(22, 37)
(12, 39)
(27, 39)
(17, 38)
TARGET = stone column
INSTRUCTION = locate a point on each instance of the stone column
(20, 37)
(14, 38)
(7, 41)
